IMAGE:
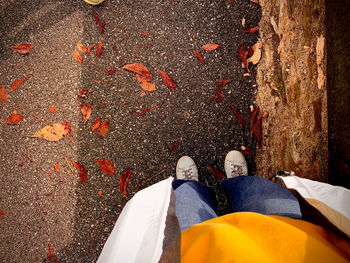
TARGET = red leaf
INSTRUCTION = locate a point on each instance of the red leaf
(103, 129)
(51, 256)
(3, 94)
(82, 171)
(243, 54)
(219, 95)
(68, 128)
(99, 193)
(77, 56)
(238, 116)
(254, 113)
(124, 181)
(138, 68)
(199, 55)
(99, 48)
(219, 174)
(57, 167)
(223, 82)
(144, 34)
(86, 111)
(167, 80)
(53, 109)
(14, 118)
(257, 130)
(247, 151)
(19, 82)
(144, 111)
(23, 48)
(90, 48)
(96, 124)
(174, 146)
(210, 46)
(101, 26)
(110, 72)
(251, 30)
(81, 48)
(2, 213)
(95, 15)
(107, 166)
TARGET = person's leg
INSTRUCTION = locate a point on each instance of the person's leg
(195, 203)
(256, 194)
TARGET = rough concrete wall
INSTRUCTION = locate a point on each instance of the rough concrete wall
(292, 88)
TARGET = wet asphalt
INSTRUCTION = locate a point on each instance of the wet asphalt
(63, 211)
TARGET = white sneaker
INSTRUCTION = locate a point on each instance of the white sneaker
(186, 169)
(235, 164)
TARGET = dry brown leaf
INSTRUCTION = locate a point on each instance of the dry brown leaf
(107, 166)
(210, 46)
(77, 56)
(86, 111)
(23, 48)
(256, 48)
(82, 171)
(103, 129)
(3, 94)
(96, 124)
(138, 68)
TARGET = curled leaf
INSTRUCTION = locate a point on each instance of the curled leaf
(51, 256)
(242, 52)
(199, 56)
(255, 57)
(238, 116)
(253, 115)
(82, 171)
(147, 86)
(103, 129)
(107, 166)
(52, 109)
(124, 181)
(167, 80)
(99, 49)
(96, 124)
(86, 111)
(219, 95)
(3, 94)
(138, 68)
(257, 130)
(77, 56)
(251, 30)
(14, 118)
(57, 167)
(23, 48)
(81, 48)
(53, 132)
(19, 82)
(223, 82)
(210, 46)
(218, 173)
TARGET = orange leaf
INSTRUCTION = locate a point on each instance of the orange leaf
(199, 55)
(138, 68)
(124, 181)
(107, 166)
(100, 194)
(251, 30)
(144, 34)
(82, 172)
(167, 80)
(53, 109)
(14, 118)
(23, 48)
(147, 86)
(3, 94)
(102, 131)
(77, 56)
(81, 48)
(57, 167)
(210, 46)
(223, 82)
(53, 132)
(90, 48)
(19, 82)
(51, 256)
(99, 48)
(86, 111)
(69, 129)
(96, 124)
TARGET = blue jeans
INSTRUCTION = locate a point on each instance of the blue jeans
(195, 203)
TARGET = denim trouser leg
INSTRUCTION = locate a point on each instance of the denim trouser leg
(256, 194)
(195, 203)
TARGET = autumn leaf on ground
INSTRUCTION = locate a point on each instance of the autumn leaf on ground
(210, 46)
(238, 115)
(77, 56)
(57, 167)
(100, 23)
(107, 166)
(99, 48)
(100, 193)
(253, 115)
(82, 171)
(23, 48)
(223, 82)
(3, 213)
(218, 173)
(68, 128)
(256, 49)
(247, 151)
(53, 132)
(143, 111)
(52, 109)
(103, 129)
(257, 130)
(51, 256)
(124, 181)
(219, 95)
(251, 30)
(110, 72)
(242, 52)
(255, 1)
(86, 111)
(147, 86)
(174, 146)
(19, 82)
(138, 68)
(96, 124)
(81, 48)
(167, 80)
(144, 34)
(14, 118)
(90, 48)
(199, 55)
(3, 94)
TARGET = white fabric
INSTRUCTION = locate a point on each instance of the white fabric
(139, 232)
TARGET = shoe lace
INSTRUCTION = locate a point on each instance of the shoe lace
(188, 174)
(236, 170)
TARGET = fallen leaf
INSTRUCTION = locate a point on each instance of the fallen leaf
(141, 78)
(51, 256)
(69, 129)
(223, 82)
(147, 86)
(199, 55)
(57, 167)
(14, 118)
(3, 94)
(19, 82)
(251, 30)
(107, 166)
(102, 103)
(238, 116)
(99, 48)
(53, 132)
(21, 164)
(99, 193)
(243, 21)
(210, 46)
(253, 115)
(167, 80)
(81, 48)
(174, 146)
(124, 181)
(101, 26)
(23, 48)
(53, 109)
(242, 52)
(138, 68)
(247, 151)
(256, 48)
(51, 178)
(86, 111)
(219, 95)
(95, 15)
(96, 124)
(265, 114)
(103, 129)
(82, 171)
(144, 34)
(143, 111)
(77, 56)
(218, 173)
(3, 213)
(110, 72)
(257, 130)
(90, 48)
(255, 1)
(246, 74)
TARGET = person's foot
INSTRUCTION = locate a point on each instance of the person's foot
(235, 164)
(186, 169)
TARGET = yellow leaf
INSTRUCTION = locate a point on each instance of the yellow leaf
(52, 133)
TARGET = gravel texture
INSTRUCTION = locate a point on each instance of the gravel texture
(63, 211)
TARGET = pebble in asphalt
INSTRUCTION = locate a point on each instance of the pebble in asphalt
(63, 211)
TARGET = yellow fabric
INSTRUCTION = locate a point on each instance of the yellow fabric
(251, 237)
